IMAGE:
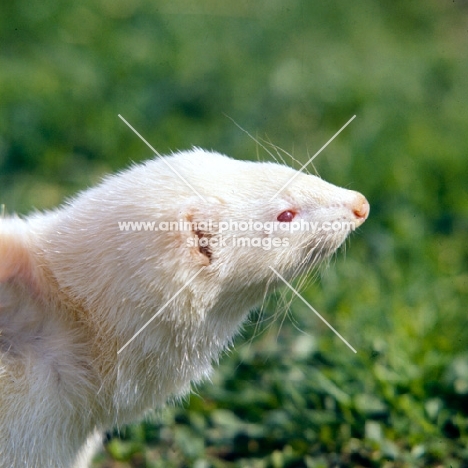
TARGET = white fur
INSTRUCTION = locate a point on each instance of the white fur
(74, 289)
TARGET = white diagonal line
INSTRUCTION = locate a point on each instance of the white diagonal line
(313, 157)
(162, 159)
(160, 310)
(312, 309)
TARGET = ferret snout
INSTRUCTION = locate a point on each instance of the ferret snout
(360, 208)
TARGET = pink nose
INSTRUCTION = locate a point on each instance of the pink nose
(360, 208)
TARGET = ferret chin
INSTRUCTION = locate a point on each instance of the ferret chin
(107, 309)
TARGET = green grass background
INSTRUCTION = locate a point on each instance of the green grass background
(291, 72)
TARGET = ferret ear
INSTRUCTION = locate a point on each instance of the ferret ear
(200, 218)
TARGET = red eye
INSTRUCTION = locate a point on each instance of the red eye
(286, 216)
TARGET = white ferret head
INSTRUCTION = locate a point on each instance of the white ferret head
(251, 216)
(141, 235)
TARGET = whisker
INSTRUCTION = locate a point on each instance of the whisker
(256, 140)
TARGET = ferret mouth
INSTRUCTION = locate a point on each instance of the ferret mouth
(320, 249)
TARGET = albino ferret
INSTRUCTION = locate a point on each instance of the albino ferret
(102, 319)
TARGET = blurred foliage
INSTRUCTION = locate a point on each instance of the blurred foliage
(290, 72)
